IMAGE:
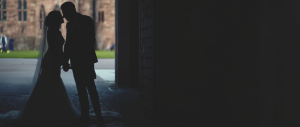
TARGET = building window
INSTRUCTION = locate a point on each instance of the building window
(23, 29)
(1, 29)
(20, 15)
(22, 12)
(4, 15)
(41, 24)
(4, 4)
(25, 16)
(3, 10)
(42, 16)
(102, 16)
(20, 4)
(25, 4)
(99, 16)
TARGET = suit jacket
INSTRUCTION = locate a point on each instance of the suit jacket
(80, 40)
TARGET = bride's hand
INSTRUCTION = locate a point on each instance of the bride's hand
(66, 67)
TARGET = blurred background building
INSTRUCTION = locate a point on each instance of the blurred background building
(23, 19)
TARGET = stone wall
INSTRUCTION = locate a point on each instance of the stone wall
(49, 6)
(25, 43)
(106, 28)
(105, 31)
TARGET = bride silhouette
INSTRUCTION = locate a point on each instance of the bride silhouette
(49, 104)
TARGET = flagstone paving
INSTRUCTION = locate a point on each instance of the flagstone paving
(16, 76)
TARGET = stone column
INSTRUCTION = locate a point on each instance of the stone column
(127, 43)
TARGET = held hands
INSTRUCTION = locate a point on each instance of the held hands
(66, 67)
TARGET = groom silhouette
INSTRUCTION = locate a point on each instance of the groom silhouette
(79, 49)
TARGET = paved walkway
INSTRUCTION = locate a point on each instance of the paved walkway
(16, 76)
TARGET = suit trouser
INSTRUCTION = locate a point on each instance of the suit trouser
(11, 47)
(3, 48)
(84, 75)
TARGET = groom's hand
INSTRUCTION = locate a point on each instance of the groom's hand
(66, 67)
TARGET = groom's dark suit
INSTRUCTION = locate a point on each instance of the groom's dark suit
(79, 48)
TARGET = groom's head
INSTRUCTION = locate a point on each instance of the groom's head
(68, 10)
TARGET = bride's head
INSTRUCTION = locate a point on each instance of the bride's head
(54, 19)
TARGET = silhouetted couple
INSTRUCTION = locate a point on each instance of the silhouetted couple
(49, 103)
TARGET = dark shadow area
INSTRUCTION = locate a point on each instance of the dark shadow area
(198, 60)
(198, 63)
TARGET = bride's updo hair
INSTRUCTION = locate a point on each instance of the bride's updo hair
(53, 19)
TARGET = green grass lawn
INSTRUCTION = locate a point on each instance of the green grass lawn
(105, 54)
(34, 54)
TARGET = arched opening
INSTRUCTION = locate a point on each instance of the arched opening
(105, 36)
